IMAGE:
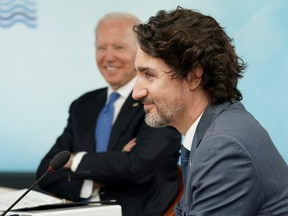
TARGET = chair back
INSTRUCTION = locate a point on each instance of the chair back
(170, 210)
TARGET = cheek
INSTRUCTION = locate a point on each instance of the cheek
(127, 56)
(128, 60)
(169, 93)
(159, 94)
(98, 58)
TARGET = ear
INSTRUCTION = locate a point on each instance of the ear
(194, 77)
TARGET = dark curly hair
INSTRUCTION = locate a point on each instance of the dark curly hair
(184, 39)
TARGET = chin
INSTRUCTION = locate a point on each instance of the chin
(153, 121)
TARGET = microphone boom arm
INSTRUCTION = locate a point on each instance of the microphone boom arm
(29, 189)
(57, 162)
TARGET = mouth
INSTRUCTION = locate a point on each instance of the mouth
(147, 106)
(110, 68)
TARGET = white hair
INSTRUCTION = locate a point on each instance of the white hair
(119, 16)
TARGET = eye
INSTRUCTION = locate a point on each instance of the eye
(100, 48)
(148, 75)
(119, 48)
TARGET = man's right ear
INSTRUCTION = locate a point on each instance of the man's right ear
(194, 77)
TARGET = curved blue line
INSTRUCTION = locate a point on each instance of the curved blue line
(17, 14)
(22, 7)
(10, 2)
(7, 25)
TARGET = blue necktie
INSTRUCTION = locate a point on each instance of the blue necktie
(104, 124)
(184, 162)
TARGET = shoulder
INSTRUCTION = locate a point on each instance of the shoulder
(92, 94)
(90, 97)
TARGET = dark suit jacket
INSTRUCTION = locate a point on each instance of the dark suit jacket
(144, 181)
(234, 168)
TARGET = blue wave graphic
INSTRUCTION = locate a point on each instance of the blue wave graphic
(9, 2)
(18, 12)
(13, 22)
(17, 8)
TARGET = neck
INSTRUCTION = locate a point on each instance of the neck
(194, 107)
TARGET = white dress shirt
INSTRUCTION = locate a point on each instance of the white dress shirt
(188, 139)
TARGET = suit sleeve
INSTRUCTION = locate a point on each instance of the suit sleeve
(222, 179)
(156, 148)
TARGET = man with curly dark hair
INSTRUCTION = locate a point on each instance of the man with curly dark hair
(187, 75)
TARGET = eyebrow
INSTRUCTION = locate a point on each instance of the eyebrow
(142, 69)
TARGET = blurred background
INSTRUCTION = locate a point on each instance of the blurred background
(47, 59)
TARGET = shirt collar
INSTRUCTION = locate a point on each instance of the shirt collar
(188, 139)
(125, 90)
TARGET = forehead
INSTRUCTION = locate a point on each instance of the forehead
(115, 26)
(144, 61)
(121, 30)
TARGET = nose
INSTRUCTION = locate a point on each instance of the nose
(139, 90)
(109, 55)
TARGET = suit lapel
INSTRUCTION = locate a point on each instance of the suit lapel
(97, 103)
(209, 115)
(125, 116)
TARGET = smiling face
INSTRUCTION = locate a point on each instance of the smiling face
(116, 47)
(161, 94)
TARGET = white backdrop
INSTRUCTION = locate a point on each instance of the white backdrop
(43, 68)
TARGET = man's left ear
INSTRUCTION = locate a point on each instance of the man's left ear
(194, 77)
